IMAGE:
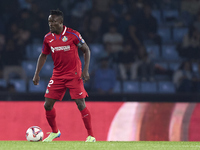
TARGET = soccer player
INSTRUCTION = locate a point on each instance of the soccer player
(63, 43)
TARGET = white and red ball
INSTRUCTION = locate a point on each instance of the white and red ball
(34, 134)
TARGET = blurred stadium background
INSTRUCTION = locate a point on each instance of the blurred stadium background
(142, 51)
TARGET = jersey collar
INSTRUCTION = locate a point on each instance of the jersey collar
(63, 32)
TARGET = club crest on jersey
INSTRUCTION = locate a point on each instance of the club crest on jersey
(47, 91)
(64, 39)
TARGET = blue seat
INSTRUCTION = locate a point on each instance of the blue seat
(131, 87)
(37, 88)
(19, 84)
(169, 16)
(117, 88)
(93, 63)
(165, 34)
(166, 87)
(86, 84)
(174, 66)
(3, 83)
(28, 50)
(195, 67)
(153, 51)
(47, 69)
(97, 50)
(33, 51)
(148, 87)
(36, 50)
(29, 67)
(157, 15)
(169, 52)
(178, 34)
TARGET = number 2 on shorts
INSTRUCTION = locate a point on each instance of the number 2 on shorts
(50, 82)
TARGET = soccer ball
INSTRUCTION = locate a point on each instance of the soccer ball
(34, 134)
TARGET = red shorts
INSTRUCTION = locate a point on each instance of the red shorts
(57, 87)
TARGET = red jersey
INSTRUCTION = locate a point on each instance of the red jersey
(64, 52)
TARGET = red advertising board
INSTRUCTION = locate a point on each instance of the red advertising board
(111, 121)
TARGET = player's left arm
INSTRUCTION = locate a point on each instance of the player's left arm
(81, 44)
(86, 53)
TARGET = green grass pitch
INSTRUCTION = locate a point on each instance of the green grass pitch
(80, 145)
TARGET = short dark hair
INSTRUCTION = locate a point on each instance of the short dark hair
(57, 13)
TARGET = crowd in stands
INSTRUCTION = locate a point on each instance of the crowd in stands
(132, 42)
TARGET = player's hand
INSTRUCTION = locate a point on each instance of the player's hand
(36, 79)
(85, 75)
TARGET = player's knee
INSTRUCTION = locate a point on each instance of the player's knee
(47, 106)
(80, 104)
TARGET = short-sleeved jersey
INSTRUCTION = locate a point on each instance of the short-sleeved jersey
(64, 52)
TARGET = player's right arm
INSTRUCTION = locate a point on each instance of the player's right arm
(40, 63)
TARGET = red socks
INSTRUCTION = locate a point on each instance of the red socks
(51, 115)
(87, 120)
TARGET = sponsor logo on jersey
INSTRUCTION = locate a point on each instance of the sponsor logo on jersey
(64, 39)
(60, 48)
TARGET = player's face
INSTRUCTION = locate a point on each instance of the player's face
(55, 23)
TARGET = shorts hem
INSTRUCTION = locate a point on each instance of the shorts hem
(80, 97)
(60, 99)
